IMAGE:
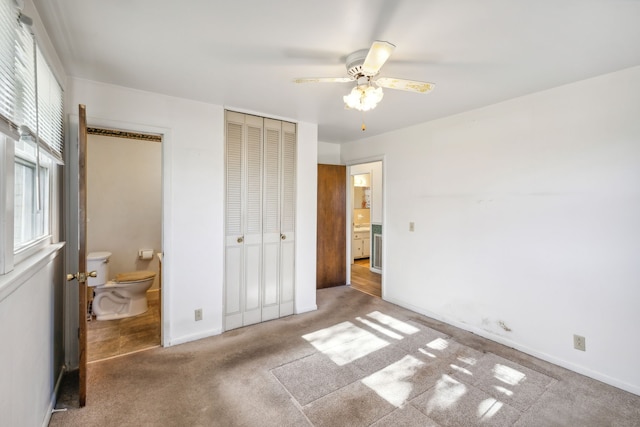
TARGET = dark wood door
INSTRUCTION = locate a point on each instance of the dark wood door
(82, 274)
(331, 269)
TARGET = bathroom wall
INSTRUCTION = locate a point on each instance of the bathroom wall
(124, 201)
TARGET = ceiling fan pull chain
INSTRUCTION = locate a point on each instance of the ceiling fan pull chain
(364, 127)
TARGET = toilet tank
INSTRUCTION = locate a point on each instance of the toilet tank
(98, 262)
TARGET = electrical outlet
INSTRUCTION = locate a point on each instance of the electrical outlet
(579, 343)
(198, 314)
(412, 226)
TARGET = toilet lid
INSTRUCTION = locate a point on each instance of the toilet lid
(98, 256)
(134, 276)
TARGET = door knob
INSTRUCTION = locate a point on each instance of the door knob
(240, 239)
(82, 277)
(283, 237)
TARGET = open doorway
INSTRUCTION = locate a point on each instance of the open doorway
(365, 236)
(124, 220)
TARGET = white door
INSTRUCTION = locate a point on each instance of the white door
(234, 232)
(253, 222)
(271, 219)
(259, 224)
(287, 221)
(243, 223)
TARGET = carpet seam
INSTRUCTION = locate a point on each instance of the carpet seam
(293, 399)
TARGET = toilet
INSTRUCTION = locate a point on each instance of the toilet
(125, 296)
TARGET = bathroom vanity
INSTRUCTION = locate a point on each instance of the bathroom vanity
(361, 242)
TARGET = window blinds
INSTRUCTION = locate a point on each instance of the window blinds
(8, 20)
(50, 108)
(25, 70)
(30, 97)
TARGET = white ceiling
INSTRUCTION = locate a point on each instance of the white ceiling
(244, 54)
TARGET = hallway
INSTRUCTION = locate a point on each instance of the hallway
(364, 280)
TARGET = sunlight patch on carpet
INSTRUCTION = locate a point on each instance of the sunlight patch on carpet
(380, 329)
(392, 382)
(393, 323)
(345, 342)
(447, 393)
(488, 408)
(508, 375)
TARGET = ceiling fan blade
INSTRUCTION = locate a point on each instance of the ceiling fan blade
(402, 84)
(323, 80)
(378, 54)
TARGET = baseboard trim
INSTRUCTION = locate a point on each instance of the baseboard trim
(194, 337)
(301, 310)
(615, 382)
(54, 397)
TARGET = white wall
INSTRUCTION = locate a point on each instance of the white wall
(193, 197)
(31, 333)
(306, 217)
(328, 153)
(526, 214)
(31, 312)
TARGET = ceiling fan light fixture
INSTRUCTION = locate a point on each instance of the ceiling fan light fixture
(363, 98)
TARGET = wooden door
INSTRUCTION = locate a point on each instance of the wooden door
(331, 269)
(82, 274)
(82, 251)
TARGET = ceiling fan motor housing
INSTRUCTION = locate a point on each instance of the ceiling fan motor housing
(354, 63)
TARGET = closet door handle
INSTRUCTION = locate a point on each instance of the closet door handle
(240, 239)
(283, 237)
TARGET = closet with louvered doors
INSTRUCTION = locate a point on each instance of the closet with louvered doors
(259, 219)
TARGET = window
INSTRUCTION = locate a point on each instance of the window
(31, 196)
(31, 140)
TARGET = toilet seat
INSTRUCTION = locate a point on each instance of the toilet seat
(134, 276)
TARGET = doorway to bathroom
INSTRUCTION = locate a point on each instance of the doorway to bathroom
(124, 218)
(365, 207)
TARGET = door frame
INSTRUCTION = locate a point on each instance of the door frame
(349, 231)
(70, 220)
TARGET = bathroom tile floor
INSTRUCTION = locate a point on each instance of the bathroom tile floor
(109, 338)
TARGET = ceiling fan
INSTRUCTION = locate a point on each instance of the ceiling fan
(362, 67)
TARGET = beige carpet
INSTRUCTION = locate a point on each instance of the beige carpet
(357, 361)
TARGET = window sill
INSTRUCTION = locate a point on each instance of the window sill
(31, 249)
(24, 270)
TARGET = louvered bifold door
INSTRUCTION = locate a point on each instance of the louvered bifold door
(271, 220)
(234, 220)
(253, 227)
(287, 218)
(259, 219)
(243, 220)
